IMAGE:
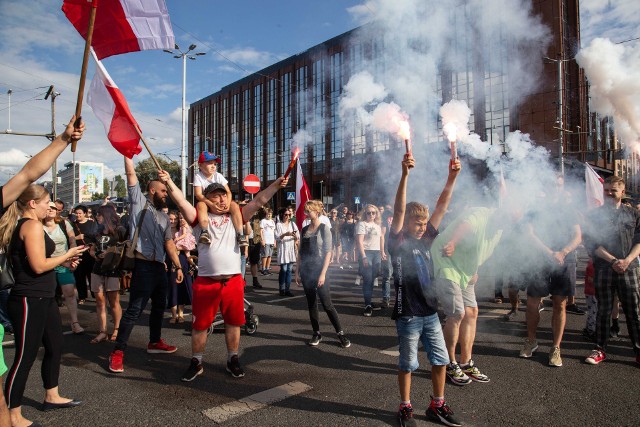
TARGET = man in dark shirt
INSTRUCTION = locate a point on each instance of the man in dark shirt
(613, 239)
(410, 237)
(553, 234)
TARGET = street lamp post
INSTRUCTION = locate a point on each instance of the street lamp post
(178, 54)
(560, 126)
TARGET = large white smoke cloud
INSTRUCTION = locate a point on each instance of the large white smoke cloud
(613, 71)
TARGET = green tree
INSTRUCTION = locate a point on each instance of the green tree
(147, 171)
(106, 186)
(121, 186)
(98, 196)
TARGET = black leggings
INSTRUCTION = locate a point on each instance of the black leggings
(35, 321)
(309, 275)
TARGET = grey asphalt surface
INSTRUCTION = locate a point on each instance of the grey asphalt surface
(355, 386)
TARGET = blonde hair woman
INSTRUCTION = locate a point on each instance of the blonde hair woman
(313, 259)
(370, 249)
(32, 307)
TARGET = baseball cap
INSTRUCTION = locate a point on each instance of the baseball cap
(206, 156)
(214, 187)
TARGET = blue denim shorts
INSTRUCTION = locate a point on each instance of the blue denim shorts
(412, 330)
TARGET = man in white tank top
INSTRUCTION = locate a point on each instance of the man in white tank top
(219, 282)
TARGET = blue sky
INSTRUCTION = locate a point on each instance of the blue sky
(39, 47)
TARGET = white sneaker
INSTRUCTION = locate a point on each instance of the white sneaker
(528, 349)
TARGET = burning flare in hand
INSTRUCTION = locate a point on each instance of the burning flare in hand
(292, 163)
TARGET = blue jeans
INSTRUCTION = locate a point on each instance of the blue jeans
(284, 277)
(243, 264)
(149, 281)
(387, 276)
(369, 274)
(412, 330)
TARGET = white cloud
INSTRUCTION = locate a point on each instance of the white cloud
(617, 20)
(250, 56)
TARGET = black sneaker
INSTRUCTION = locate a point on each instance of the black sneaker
(615, 328)
(368, 311)
(315, 340)
(405, 416)
(385, 303)
(194, 369)
(257, 284)
(288, 294)
(512, 314)
(282, 293)
(442, 414)
(344, 341)
(204, 237)
(233, 367)
(574, 309)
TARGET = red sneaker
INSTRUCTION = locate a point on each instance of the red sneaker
(116, 361)
(161, 347)
(596, 356)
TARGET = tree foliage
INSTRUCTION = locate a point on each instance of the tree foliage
(121, 186)
(147, 171)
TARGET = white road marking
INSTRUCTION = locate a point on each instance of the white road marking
(391, 351)
(285, 299)
(222, 413)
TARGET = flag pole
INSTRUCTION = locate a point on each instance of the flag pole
(153, 157)
(85, 65)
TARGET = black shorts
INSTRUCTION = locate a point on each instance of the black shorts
(552, 282)
(254, 254)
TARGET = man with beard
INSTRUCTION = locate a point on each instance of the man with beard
(613, 239)
(149, 279)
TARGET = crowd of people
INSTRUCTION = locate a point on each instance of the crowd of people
(197, 256)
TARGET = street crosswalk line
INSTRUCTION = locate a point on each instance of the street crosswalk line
(222, 413)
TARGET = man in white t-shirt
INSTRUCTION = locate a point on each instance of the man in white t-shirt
(267, 232)
(219, 283)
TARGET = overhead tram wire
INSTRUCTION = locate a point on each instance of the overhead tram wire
(238, 66)
(67, 100)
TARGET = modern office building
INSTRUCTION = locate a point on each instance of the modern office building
(250, 122)
(78, 181)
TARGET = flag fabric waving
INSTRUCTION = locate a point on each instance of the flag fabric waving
(594, 187)
(122, 26)
(302, 195)
(112, 110)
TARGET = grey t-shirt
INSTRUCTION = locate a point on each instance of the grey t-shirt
(155, 228)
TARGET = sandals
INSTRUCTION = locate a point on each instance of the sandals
(173, 320)
(114, 335)
(102, 336)
(180, 319)
(77, 330)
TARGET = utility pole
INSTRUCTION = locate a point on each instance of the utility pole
(54, 167)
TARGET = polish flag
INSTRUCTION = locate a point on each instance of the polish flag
(111, 108)
(594, 187)
(302, 195)
(122, 26)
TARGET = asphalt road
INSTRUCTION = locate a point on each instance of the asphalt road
(355, 386)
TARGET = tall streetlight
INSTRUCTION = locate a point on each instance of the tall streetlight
(560, 126)
(177, 53)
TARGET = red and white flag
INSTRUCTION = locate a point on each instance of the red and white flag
(302, 196)
(594, 187)
(122, 26)
(111, 108)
